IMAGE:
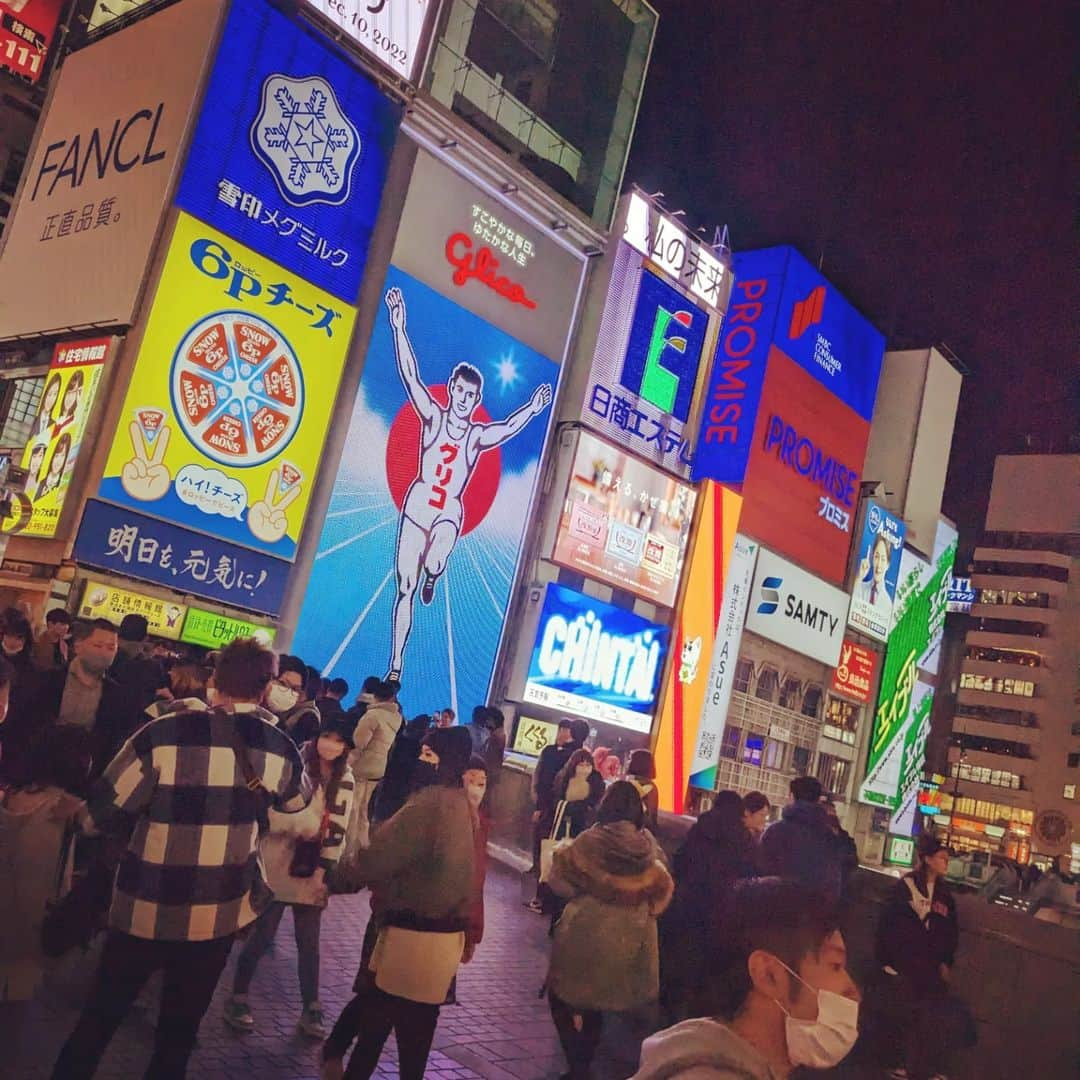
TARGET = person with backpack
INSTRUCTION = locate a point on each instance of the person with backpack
(641, 772)
(297, 853)
(289, 700)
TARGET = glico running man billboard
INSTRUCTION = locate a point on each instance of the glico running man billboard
(420, 544)
(781, 305)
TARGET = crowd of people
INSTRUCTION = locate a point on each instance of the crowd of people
(181, 804)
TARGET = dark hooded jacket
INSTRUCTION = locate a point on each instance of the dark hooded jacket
(918, 932)
(717, 852)
(605, 954)
(802, 847)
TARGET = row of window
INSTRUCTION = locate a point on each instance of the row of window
(1023, 569)
(764, 752)
(993, 746)
(981, 810)
(1014, 597)
(1018, 627)
(993, 715)
(841, 720)
(1003, 656)
(981, 774)
(1062, 544)
(791, 694)
(992, 685)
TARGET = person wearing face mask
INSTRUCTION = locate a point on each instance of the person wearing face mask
(288, 699)
(778, 993)
(581, 787)
(17, 644)
(297, 853)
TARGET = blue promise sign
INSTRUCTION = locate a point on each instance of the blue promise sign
(290, 152)
(597, 660)
(124, 542)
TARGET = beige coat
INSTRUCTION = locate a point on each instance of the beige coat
(373, 737)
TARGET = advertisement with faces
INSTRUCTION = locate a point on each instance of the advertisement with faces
(877, 570)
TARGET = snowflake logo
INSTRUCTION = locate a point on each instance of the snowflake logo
(302, 136)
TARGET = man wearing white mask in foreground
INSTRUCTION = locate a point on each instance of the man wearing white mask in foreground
(779, 981)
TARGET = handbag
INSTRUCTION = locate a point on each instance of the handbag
(553, 840)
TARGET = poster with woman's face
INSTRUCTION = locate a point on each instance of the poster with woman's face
(877, 570)
(56, 435)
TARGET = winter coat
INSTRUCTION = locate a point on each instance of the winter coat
(373, 737)
(278, 845)
(579, 812)
(548, 766)
(421, 863)
(35, 868)
(396, 784)
(605, 954)
(650, 799)
(301, 723)
(701, 1050)
(141, 676)
(706, 867)
(802, 847)
(917, 932)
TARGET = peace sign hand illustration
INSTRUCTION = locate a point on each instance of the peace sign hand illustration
(144, 477)
(266, 518)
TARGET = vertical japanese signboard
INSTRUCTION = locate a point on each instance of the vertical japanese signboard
(27, 29)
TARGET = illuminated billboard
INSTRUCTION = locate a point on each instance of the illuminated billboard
(624, 522)
(854, 675)
(413, 568)
(27, 28)
(164, 618)
(877, 571)
(597, 660)
(802, 484)
(212, 631)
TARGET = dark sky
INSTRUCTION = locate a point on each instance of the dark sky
(926, 150)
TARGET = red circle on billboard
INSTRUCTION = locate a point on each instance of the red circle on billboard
(403, 458)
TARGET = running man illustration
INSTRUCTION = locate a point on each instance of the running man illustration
(451, 443)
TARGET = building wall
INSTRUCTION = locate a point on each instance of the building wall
(1035, 493)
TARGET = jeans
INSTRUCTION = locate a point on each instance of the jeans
(306, 922)
(372, 1016)
(191, 969)
(579, 1046)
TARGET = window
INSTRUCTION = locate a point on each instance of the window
(841, 720)
(800, 759)
(729, 745)
(767, 684)
(1074, 761)
(1070, 791)
(997, 716)
(789, 693)
(751, 754)
(991, 685)
(744, 675)
(19, 405)
(775, 752)
(833, 773)
(811, 705)
(1014, 598)
(1018, 627)
(982, 774)
(1003, 656)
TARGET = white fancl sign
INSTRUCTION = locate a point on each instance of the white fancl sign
(722, 670)
(796, 609)
(388, 29)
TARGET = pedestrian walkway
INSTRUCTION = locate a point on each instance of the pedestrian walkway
(500, 1030)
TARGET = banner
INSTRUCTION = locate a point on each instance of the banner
(695, 634)
(854, 675)
(228, 406)
(27, 28)
(290, 152)
(213, 631)
(123, 542)
(878, 568)
(725, 652)
(100, 601)
(624, 522)
(56, 437)
(104, 160)
(597, 660)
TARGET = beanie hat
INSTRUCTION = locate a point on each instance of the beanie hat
(341, 725)
(453, 747)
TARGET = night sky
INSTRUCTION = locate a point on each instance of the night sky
(925, 151)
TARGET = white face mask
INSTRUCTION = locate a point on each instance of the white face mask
(280, 698)
(476, 793)
(826, 1041)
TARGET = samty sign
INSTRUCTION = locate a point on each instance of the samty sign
(94, 191)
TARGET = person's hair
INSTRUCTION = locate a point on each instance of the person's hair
(244, 669)
(189, 680)
(785, 918)
(14, 622)
(7, 672)
(58, 615)
(63, 443)
(881, 538)
(621, 802)
(370, 684)
(338, 687)
(449, 712)
(313, 682)
(95, 624)
(58, 756)
(579, 730)
(134, 628)
(806, 789)
(727, 809)
(642, 765)
(53, 381)
(310, 754)
(453, 747)
(566, 773)
(756, 801)
(418, 725)
(477, 764)
(287, 662)
(566, 723)
(469, 374)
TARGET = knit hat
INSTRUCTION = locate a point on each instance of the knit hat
(453, 746)
(341, 725)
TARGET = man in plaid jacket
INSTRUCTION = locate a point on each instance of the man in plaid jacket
(192, 788)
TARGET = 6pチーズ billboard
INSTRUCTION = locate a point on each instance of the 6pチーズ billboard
(624, 522)
(290, 151)
(94, 190)
(225, 416)
(877, 570)
(597, 660)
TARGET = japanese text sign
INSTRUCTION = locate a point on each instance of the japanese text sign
(624, 522)
(854, 675)
(531, 735)
(230, 399)
(212, 631)
(877, 570)
(388, 30)
(802, 484)
(56, 437)
(124, 542)
(100, 601)
(290, 151)
(645, 367)
(27, 28)
(94, 189)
